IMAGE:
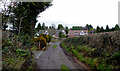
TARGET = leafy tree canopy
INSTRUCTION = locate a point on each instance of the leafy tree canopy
(66, 30)
(117, 27)
(77, 28)
(60, 26)
(107, 29)
(25, 14)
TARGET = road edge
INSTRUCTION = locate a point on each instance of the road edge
(75, 59)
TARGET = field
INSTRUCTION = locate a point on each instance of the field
(100, 51)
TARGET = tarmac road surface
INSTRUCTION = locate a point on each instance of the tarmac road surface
(53, 58)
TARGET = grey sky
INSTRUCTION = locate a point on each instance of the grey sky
(81, 12)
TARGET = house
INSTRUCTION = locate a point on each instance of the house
(63, 31)
(52, 32)
(41, 32)
(75, 33)
(46, 32)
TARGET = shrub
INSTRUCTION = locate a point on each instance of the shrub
(24, 53)
(45, 36)
(116, 55)
(102, 49)
(61, 34)
(43, 42)
(49, 38)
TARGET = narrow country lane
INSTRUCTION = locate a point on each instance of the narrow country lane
(53, 58)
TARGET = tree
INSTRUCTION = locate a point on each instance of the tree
(66, 30)
(77, 28)
(98, 29)
(53, 26)
(107, 29)
(117, 27)
(25, 14)
(46, 27)
(43, 26)
(113, 29)
(4, 27)
(39, 27)
(102, 29)
(5, 13)
(60, 34)
(50, 27)
(60, 26)
(88, 26)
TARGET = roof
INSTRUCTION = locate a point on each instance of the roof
(41, 31)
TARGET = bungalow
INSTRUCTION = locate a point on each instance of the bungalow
(76, 33)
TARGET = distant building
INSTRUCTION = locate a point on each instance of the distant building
(52, 32)
(75, 33)
(43, 32)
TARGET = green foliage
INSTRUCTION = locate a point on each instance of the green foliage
(117, 27)
(49, 38)
(98, 29)
(99, 51)
(54, 46)
(43, 42)
(39, 27)
(27, 11)
(24, 53)
(101, 29)
(81, 58)
(64, 68)
(46, 37)
(116, 56)
(4, 26)
(43, 26)
(13, 63)
(60, 26)
(77, 28)
(107, 29)
(60, 34)
(89, 26)
(16, 50)
(34, 48)
(66, 30)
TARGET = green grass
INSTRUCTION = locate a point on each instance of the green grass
(64, 68)
(54, 46)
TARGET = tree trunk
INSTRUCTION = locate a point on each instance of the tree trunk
(39, 46)
(20, 25)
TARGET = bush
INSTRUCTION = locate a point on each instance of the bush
(46, 37)
(49, 38)
(43, 42)
(60, 34)
(101, 49)
(23, 53)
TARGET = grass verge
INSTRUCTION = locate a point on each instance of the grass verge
(64, 68)
(54, 46)
(83, 53)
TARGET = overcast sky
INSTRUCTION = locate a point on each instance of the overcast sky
(81, 12)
